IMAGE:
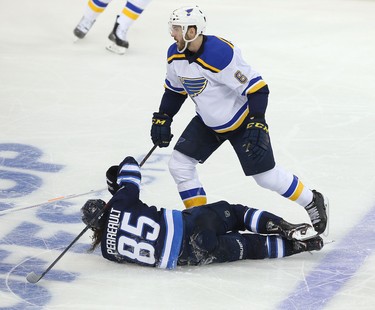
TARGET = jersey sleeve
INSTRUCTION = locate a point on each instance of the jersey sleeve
(240, 76)
(226, 65)
(171, 102)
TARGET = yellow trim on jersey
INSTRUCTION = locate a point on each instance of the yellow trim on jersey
(205, 64)
(297, 192)
(195, 202)
(176, 56)
(256, 87)
(130, 14)
(230, 44)
(236, 124)
(182, 92)
(95, 8)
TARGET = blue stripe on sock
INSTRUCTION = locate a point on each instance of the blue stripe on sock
(292, 188)
(134, 8)
(100, 4)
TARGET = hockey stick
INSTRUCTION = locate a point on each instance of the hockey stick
(50, 201)
(61, 198)
(32, 277)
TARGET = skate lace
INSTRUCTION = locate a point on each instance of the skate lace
(314, 215)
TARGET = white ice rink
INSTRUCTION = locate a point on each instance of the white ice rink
(69, 110)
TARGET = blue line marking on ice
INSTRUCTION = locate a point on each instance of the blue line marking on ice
(335, 269)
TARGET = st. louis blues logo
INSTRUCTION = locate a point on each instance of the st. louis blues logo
(194, 86)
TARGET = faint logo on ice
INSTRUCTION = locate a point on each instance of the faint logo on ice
(18, 178)
(33, 245)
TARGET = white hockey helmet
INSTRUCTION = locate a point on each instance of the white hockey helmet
(188, 16)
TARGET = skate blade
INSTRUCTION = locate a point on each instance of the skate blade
(114, 48)
(326, 204)
(305, 234)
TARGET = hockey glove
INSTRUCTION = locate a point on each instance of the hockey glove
(256, 140)
(129, 172)
(111, 176)
(161, 129)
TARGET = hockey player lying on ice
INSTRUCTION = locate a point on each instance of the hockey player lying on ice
(129, 231)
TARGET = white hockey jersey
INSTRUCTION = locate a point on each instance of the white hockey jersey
(217, 79)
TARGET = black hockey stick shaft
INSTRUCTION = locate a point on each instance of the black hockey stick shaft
(148, 155)
(32, 277)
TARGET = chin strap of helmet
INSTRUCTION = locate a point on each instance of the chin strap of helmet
(184, 31)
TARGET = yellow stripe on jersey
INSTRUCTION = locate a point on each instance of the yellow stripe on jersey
(206, 65)
(176, 56)
(95, 8)
(230, 44)
(195, 202)
(180, 92)
(256, 86)
(236, 124)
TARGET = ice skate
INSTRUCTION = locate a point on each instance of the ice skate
(318, 212)
(83, 27)
(291, 231)
(313, 244)
(117, 45)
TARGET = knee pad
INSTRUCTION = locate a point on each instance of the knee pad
(182, 167)
(276, 179)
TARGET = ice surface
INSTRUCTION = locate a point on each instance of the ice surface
(70, 110)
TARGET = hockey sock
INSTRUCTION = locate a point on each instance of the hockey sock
(256, 220)
(193, 197)
(132, 10)
(285, 184)
(94, 8)
(277, 247)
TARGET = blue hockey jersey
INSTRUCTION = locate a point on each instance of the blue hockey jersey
(141, 234)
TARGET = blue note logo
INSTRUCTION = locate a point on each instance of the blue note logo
(194, 86)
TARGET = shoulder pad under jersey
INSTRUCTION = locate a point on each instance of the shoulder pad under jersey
(217, 54)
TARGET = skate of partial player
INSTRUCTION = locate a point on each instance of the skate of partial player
(118, 41)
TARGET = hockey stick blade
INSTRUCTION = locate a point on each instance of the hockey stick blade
(32, 277)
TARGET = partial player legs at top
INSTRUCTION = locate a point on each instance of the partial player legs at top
(91, 12)
(118, 36)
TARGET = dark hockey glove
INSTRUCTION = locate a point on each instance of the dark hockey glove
(129, 172)
(111, 176)
(256, 140)
(161, 129)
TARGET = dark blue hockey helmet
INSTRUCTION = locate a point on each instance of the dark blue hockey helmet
(92, 213)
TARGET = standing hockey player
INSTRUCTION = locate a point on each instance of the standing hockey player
(230, 99)
(129, 231)
(118, 37)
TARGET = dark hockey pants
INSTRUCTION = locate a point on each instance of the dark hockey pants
(212, 236)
